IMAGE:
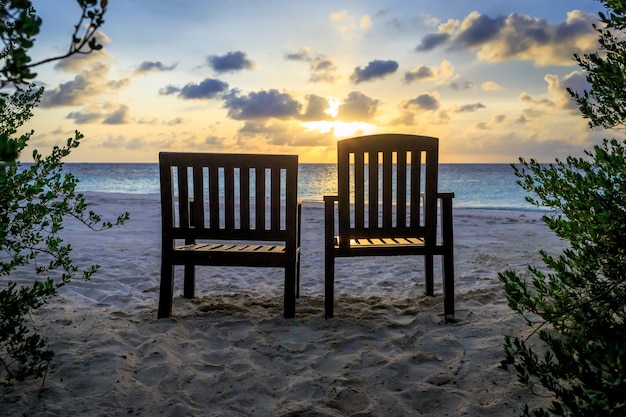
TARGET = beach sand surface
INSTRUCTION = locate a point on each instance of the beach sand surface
(230, 352)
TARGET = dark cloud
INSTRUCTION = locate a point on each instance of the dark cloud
(231, 62)
(420, 73)
(261, 105)
(301, 55)
(214, 141)
(375, 69)
(323, 69)
(150, 66)
(66, 94)
(480, 30)
(431, 41)
(118, 117)
(423, 102)
(315, 109)
(169, 90)
(357, 107)
(468, 108)
(82, 117)
(462, 85)
(516, 37)
(208, 89)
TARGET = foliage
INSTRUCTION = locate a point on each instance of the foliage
(575, 353)
(19, 25)
(578, 310)
(605, 104)
(34, 201)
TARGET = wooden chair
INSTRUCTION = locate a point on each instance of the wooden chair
(388, 205)
(229, 210)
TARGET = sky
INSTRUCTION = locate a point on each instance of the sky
(487, 77)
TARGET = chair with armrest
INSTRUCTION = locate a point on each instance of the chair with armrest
(388, 204)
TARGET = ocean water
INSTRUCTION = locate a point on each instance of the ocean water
(485, 186)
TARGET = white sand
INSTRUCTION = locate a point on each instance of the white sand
(230, 352)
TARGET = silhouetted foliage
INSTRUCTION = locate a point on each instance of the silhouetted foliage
(576, 351)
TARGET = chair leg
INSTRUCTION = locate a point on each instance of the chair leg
(329, 286)
(289, 297)
(448, 287)
(428, 267)
(298, 277)
(189, 288)
(166, 292)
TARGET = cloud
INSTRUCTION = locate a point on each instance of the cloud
(91, 86)
(374, 69)
(119, 116)
(491, 86)
(316, 109)
(517, 37)
(261, 105)
(301, 55)
(231, 62)
(420, 73)
(351, 26)
(153, 66)
(277, 133)
(468, 108)
(212, 140)
(357, 107)
(209, 88)
(423, 102)
(432, 41)
(462, 85)
(323, 68)
(83, 118)
(575, 81)
(441, 74)
(557, 95)
(68, 94)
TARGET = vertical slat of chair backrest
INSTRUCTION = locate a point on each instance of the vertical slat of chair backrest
(244, 180)
(183, 196)
(416, 188)
(260, 198)
(393, 164)
(387, 169)
(198, 197)
(401, 188)
(275, 205)
(214, 197)
(229, 196)
(373, 189)
(359, 191)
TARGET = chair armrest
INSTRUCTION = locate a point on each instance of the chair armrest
(447, 233)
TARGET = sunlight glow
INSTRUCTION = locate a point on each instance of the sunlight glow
(341, 129)
(333, 108)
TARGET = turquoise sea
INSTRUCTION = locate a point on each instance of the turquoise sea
(485, 186)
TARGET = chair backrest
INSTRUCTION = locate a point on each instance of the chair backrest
(228, 196)
(387, 187)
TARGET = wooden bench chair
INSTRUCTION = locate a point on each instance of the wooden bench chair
(229, 210)
(387, 205)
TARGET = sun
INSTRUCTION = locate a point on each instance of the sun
(338, 128)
